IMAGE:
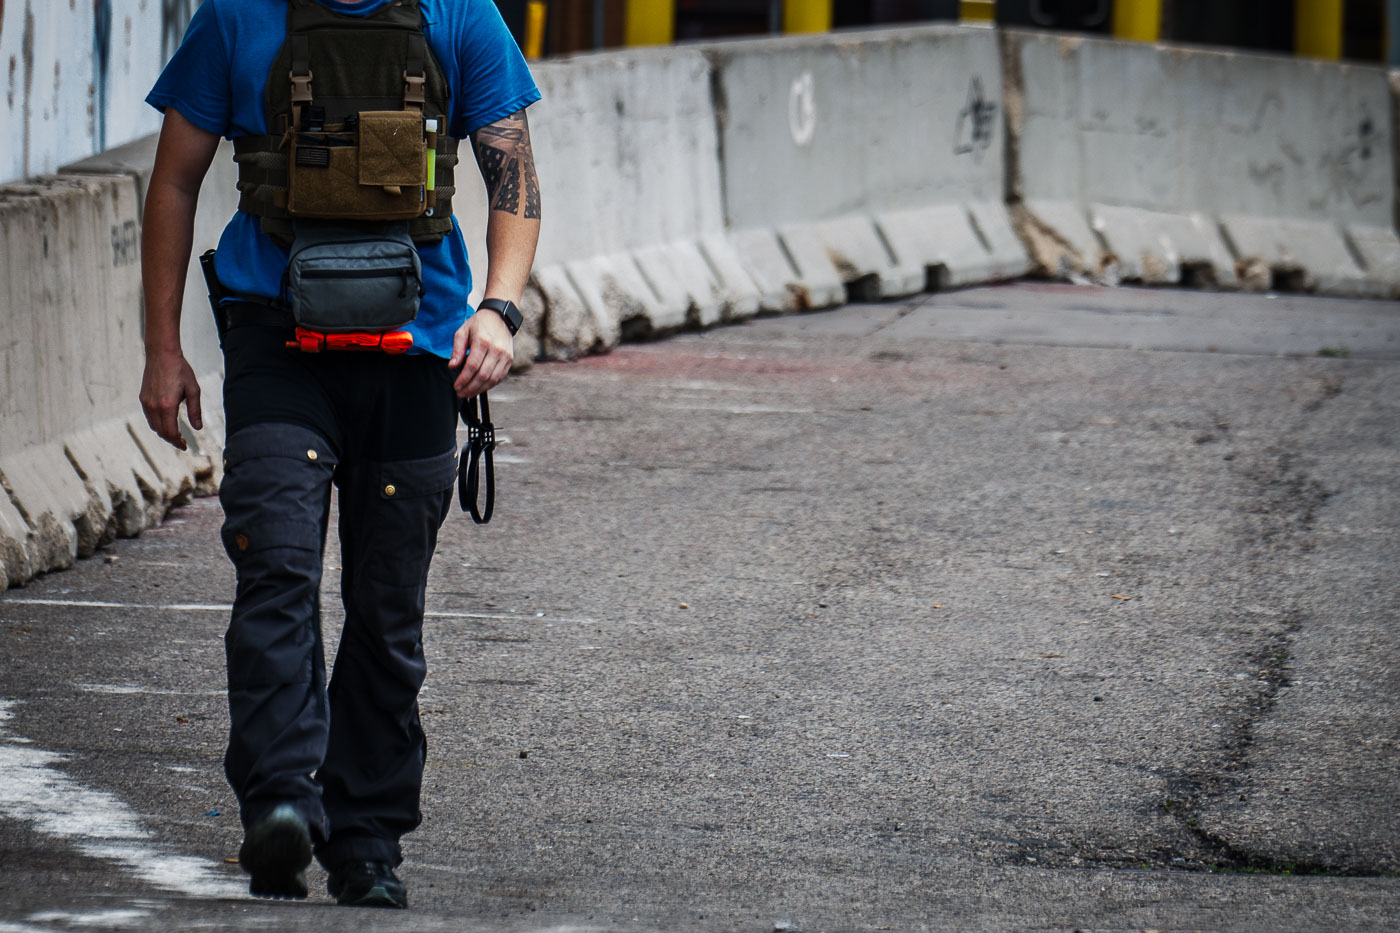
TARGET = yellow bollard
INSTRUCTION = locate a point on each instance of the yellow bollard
(650, 22)
(534, 28)
(1137, 20)
(978, 11)
(806, 15)
(1317, 28)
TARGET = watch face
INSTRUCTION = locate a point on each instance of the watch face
(508, 312)
(513, 317)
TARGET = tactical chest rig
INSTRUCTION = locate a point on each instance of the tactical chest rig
(357, 110)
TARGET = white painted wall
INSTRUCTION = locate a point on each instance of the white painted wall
(74, 75)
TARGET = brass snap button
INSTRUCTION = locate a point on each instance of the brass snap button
(389, 490)
(311, 455)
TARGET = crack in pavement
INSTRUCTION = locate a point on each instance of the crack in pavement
(1284, 504)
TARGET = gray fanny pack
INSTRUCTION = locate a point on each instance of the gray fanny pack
(353, 277)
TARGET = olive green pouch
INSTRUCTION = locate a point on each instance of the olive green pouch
(374, 169)
(393, 149)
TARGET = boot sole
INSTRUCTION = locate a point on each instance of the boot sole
(377, 896)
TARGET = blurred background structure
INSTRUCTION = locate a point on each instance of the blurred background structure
(75, 74)
(1330, 29)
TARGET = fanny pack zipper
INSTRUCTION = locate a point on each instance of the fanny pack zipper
(356, 273)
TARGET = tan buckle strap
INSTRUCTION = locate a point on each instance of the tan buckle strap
(301, 87)
(413, 92)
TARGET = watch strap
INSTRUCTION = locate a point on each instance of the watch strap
(507, 310)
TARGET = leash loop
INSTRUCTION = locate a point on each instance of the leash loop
(480, 446)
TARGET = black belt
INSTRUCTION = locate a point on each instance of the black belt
(254, 312)
(481, 444)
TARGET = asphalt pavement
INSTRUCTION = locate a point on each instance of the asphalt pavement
(1033, 607)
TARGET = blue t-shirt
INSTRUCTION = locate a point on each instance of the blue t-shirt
(217, 80)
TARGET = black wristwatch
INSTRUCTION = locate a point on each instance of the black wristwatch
(507, 310)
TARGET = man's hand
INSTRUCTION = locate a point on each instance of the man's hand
(168, 381)
(484, 349)
(167, 235)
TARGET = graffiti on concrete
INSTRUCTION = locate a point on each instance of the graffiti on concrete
(174, 17)
(976, 123)
(1367, 137)
(101, 62)
(126, 248)
(802, 109)
(1350, 172)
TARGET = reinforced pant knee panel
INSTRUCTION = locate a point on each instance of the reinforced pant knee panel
(390, 514)
(276, 496)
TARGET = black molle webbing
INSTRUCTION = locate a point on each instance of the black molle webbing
(301, 54)
(417, 55)
(413, 72)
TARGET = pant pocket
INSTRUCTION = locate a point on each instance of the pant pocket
(402, 505)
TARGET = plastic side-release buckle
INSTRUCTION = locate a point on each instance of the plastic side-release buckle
(413, 91)
(301, 87)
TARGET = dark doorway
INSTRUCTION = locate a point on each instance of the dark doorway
(874, 12)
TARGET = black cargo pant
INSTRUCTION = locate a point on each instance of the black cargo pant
(382, 429)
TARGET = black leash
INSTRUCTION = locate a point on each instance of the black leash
(481, 440)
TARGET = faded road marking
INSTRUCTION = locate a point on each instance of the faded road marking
(97, 823)
(327, 610)
(105, 918)
(103, 604)
(743, 409)
(537, 617)
(137, 689)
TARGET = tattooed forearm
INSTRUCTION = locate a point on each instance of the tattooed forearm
(508, 166)
(492, 164)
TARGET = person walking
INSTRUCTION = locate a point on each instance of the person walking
(345, 117)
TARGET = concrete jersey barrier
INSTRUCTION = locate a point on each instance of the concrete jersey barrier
(77, 462)
(634, 233)
(697, 184)
(872, 159)
(1161, 164)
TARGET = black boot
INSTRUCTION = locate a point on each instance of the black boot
(275, 852)
(367, 884)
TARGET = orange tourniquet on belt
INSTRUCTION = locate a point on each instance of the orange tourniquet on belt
(310, 341)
